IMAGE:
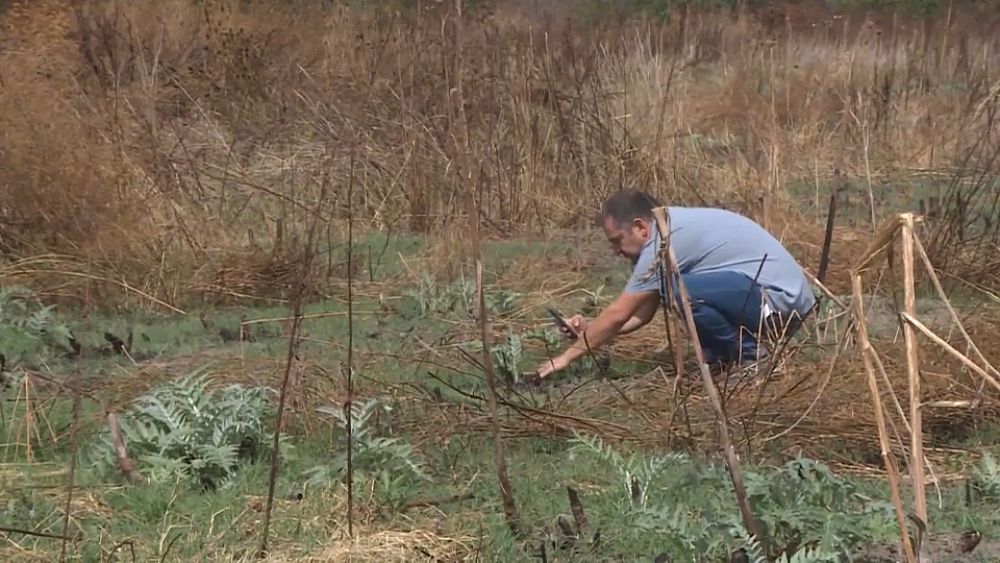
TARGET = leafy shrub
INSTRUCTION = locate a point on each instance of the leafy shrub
(27, 327)
(185, 430)
(390, 464)
(432, 298)
(986, 477)
(804, 511)
(458, 297)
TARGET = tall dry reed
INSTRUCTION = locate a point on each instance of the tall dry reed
(182, 145)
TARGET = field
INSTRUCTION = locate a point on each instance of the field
(272, 275)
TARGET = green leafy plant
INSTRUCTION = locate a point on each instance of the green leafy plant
(549, 338)
(434, 298)
(506, 355)
(592, 300)
(389, 464)
(27, 326)
(185, 430)
(635, 473)
(755, 552)
(458, 297)
(985, 478)
(804, 511)
(502, 301)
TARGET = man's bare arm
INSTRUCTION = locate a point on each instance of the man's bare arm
(647, 310)
(609, 324)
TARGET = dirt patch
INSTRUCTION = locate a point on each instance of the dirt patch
(398, 546)
(965, 547)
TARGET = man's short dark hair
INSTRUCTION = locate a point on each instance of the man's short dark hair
(624, 206)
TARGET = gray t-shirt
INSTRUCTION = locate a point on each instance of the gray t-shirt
(710, 240)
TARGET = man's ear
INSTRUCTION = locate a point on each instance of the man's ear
(642, 226)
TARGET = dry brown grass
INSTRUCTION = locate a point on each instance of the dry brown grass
(182, 147)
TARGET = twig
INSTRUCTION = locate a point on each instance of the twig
(304, 317)
(729, 454)
(350, 351)
(9, 530)
(825, 290)
(527, 411)
(668, 320)
(475, 210)
(577, 508)
(947, 303)
(290, 357)
(170, 545)
(131, 546)
(72, 476)
(608, 380)
(125, 464)
(506, 492)
(951, 350)
(841, 345)
(824, 256)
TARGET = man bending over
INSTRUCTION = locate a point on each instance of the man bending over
(739, 277)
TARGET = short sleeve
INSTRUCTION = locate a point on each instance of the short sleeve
(646, 275)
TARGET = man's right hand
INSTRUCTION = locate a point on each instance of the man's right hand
(578, 324)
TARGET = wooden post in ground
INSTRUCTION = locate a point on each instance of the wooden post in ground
(913, 374)
(880, 420)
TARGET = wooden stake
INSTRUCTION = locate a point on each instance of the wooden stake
(913, 374)
(729, 454)
(883, 434)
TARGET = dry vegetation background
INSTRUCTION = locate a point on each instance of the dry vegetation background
(180, 147)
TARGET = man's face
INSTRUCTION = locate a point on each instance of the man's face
(627, 240)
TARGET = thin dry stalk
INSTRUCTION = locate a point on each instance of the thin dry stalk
(824, 256)
(675, 349)
(296, 307)
(476, 210)
(350, 351)
(506, 492)
(880, 420)
(884, 237)
(122, 284)
(325, 315)
(300, 288)
(29, 422)
(947, 303)
(729, 454)
(72, 475)
(951, 350)
(841, 345)
(125, 463)
(913, 374)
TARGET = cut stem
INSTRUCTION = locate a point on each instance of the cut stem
(913, 374)
(729, 454)
(883, 433)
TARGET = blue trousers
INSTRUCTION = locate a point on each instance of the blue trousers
(727, 315)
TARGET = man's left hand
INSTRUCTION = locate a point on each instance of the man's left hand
(551, 366)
